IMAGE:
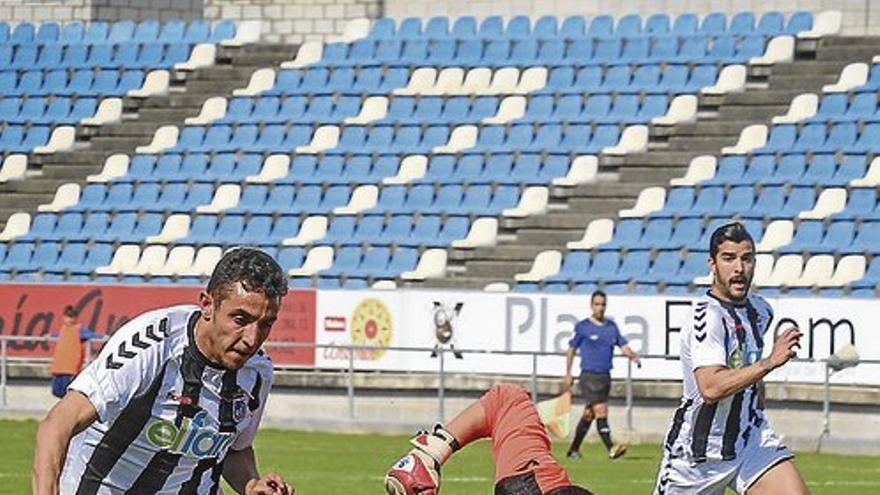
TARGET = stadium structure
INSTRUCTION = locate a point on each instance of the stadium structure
(446, 175)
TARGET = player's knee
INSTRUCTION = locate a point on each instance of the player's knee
(588, 414)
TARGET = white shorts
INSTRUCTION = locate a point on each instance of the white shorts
(680, 476)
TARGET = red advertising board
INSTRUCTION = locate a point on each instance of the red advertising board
(35, 310)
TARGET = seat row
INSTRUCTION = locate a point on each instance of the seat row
(588, 51)
(99, 32)
(790, 169)
(124, 55)
(549, 27)
(82, 83)
(822, 138)
(389, 139)
(39, 110)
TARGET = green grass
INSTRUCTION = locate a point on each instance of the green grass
(335, 464)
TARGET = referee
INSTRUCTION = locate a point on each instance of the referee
(594, 339)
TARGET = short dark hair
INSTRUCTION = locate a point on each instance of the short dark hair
(596, 294)
(253, 268)
(733, 231)
(70, 311)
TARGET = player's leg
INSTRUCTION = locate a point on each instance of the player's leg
(767, 466)
(580, 432)
(678, 476)
(781, 478)
(469, 425)
(520, 445)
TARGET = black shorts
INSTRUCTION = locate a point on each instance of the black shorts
(595, 387)
(525, 484)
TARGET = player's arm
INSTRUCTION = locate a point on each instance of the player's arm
(573, 345)
(69, 416)
(240, 471)
(717, 382)
(631, 354)
(569, 359)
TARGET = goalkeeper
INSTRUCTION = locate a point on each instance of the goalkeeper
(520, 449)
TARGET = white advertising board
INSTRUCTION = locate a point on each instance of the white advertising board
(544, 322)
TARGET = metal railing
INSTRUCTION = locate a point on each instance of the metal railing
(442, 373)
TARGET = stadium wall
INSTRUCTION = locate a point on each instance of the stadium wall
(108, 10)
(295, 21)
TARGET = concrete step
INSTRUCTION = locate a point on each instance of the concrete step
(135, 129)
(548, 237)
(163, 115)
(781, 97)
(35, 185)
(183, 100)
(722, 127)
(511, 252)
(833, 41)
(20, 201)
(266, 56)
(601, 206)
(749, 113)
(554, 221)
(700, 143)
(82, 157)
(810, 67)
(656, 174)
(504, 269)
(608, 189)
(802, 82)
(212, 87)
(661, 159)
(224, 73)
(79, 172)
(858, 53)
(119, 144)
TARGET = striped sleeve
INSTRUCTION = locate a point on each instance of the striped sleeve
(125, 367)
(707, 337)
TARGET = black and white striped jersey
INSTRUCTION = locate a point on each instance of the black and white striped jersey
(166, 416)
(728, 335)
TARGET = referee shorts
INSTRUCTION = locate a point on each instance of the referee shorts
(595, 387)
(680, 476)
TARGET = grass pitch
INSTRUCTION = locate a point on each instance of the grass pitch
(336, 464)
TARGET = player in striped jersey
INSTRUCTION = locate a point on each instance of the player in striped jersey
(719, 436)
(175, 397)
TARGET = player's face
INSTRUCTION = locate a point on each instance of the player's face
(238, 326)
(732, 270)
(597, 305)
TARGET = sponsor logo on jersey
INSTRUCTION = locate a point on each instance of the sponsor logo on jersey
(194, 438)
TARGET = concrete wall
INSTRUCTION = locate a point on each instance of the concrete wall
(859, 16)
(36, 11)
(110, 10)
(295, 21)
(138, 10)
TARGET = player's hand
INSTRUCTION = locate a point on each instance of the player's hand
(785, 347)
(416, 473)
(566, 383)
(271, 484)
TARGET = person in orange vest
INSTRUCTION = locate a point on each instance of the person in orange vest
(69, 353)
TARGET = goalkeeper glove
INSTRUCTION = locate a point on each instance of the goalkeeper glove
(418, 472)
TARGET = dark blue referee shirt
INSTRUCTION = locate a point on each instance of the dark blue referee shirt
(595, 344)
